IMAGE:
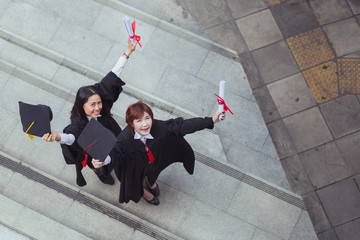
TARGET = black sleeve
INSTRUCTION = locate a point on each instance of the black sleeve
(110, 87)
(181, 127)
(76, 131)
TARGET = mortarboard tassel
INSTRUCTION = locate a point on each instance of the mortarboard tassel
(29, 135)
(86, 155)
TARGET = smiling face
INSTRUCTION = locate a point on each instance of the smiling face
(143, 125)
(93, 106)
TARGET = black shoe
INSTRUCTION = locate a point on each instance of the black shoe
(155, 201)
(109, 180)
(155, 191)
(103, 178)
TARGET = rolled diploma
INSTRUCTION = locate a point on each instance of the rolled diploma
(222, 95)
(129, 28)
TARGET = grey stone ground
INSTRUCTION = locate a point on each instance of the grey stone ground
(50, 48)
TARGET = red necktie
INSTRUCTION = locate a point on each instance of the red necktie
(150, 155)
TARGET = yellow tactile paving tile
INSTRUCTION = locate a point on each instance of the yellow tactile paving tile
(349, 76)
(273, 2)
(310, 48)
(323, 81)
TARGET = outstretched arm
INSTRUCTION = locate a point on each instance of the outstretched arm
(120, 64)
(179, 126)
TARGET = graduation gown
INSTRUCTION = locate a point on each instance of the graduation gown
(167, 147)
(109, 89)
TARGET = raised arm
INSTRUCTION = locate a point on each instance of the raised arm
(110, 86)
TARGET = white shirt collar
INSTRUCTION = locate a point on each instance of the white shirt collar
(89, 118)
(142, 138)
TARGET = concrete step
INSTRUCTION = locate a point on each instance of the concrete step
(48, 208)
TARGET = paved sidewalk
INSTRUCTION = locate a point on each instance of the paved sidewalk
(302, 60)
(239, 190)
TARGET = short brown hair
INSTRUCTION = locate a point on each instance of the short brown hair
(136, 111)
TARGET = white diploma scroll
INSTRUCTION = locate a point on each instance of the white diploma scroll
(222, 95)
(129, 28)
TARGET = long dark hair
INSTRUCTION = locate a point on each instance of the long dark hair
(82, 96)
(137, 111)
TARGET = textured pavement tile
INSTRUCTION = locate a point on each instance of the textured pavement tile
(251, 70)
(228, 35)
(328, 235)
(342, 115)
(354, 5)
(324, 165)
(241, 8)
(310, 48)
(307, 129)
(30, 22)
(349, 75)
(349, 231)
(266, 104)
(349, 147)
(281, 139)
(316, 212)
(323, 81)
(275, 61)
(272, 3)
(303, 228)
(265, 211)
(341, 201)
(259, 29)
(209, 13)
(294, 17)
(330, 10)
(344, 36)
(291, 95)
(296, 175)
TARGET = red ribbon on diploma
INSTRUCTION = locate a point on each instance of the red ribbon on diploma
(222, 102)
(136, 37)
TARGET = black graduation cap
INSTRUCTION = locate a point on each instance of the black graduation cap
(96, 140)
(35, 119)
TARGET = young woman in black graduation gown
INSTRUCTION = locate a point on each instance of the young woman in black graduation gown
(147, 146)
(93, 101)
